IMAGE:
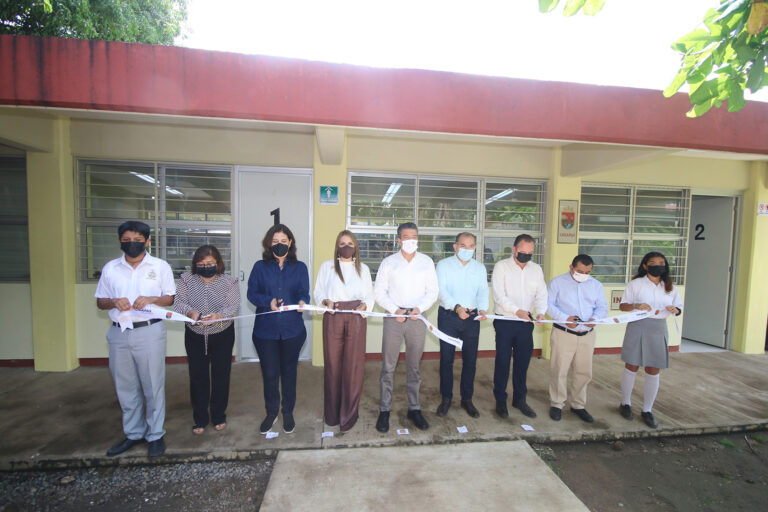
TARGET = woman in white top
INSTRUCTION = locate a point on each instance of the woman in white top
(344, 283)
(645, 340)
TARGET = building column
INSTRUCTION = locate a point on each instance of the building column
(52, 260)
(330, 169)
(558, 255)
(751, 311)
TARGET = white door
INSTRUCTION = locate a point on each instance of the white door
(260, 191)
(708, 277)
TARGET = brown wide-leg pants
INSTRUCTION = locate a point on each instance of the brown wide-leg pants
(344, 352)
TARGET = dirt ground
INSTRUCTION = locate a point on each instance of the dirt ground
(702, 473)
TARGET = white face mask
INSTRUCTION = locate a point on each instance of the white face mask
(409, 246)
(580, 278)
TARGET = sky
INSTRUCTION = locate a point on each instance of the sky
(626, 44)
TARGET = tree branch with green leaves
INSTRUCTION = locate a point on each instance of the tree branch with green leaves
(720, 61)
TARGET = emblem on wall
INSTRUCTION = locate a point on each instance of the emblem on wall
(567, 228)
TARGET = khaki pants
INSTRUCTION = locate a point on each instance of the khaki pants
(569, 350)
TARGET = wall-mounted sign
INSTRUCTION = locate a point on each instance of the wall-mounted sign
(329, 194)
(567, 226)
(616, 296)
(762, 209)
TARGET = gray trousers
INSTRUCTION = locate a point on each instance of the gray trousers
(137, 363)
(413, 332)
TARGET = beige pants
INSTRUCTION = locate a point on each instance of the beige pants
(569, 350)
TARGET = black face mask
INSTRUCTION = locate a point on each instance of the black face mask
(208, 271)
(280, 250)
(656, 270)
(132, 249)
(524, 257)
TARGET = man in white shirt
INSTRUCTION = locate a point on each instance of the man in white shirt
(518, 287)
(137, 355)
(406, 284)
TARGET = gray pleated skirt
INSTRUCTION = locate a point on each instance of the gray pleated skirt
(645, 343)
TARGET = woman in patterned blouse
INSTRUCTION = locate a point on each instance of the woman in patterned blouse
(208, 294)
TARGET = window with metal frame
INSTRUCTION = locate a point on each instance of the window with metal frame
(495, 210)
(186, 206)
(14, 227)
(622, 223)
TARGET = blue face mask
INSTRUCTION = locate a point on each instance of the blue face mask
(466, 254)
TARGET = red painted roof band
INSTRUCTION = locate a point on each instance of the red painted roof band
(112, 76)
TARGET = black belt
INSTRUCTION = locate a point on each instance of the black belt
(136, 325)
(570, 331)
(452, 312)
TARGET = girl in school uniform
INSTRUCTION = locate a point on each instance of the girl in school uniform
(645, 340)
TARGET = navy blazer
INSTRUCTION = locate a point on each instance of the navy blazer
(268, 281)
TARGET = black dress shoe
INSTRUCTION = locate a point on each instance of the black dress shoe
(288, 423)
(555, 413)
(418, 419)
(501, 409)
(442, 409)
(124, 445)
(266, 425)
(524, 408)
(626, 411)
(156, 448)
(382, 424)
(649, 419)
(468, 406)
(583, 414)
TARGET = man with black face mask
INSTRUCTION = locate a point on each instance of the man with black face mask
(518, 288)
(137, 355)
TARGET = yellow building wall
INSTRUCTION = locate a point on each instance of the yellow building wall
(16, 319)
(232, 146)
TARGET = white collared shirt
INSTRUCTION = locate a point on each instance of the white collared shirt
(404, 284)
(152, 277)
(355, 287)
(518, 288)
(643, 290)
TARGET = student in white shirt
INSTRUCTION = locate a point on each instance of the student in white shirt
(344, 283)
(645, 340)
(137, 355)
(518, 288)
(406, 283)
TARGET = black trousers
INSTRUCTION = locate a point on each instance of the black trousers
(209, 374)
(512, 337)
(279, 360)
(468, 331)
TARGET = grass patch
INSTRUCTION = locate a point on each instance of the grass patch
(726, 442)
(760, 439)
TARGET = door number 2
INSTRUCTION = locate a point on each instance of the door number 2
(699, 232)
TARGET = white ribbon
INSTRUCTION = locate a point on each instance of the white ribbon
(155, 312)
(609, 320)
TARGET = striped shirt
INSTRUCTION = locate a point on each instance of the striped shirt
(222, 296)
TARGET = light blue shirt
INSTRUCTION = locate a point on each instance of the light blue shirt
(568, 297)
(466, 285)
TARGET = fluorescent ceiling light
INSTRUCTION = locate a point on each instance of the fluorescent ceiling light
(150, 179)
(501, 194)
(391, 191)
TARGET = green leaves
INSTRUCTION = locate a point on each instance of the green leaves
(720, 61)
(589, 7)
(145, 21)
(547, 5)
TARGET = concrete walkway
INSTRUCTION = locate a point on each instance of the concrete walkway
(505, 476)
(62, 419)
